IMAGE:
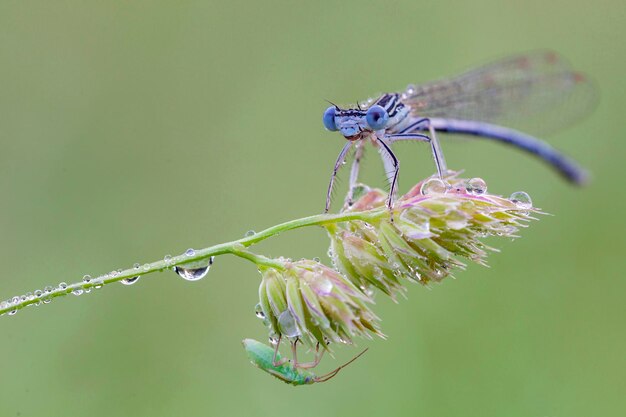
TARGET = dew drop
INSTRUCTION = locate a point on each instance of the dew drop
(250, 233)
(194, 271)
(273, 338)
(316, 259)
(288, 325)
(167, 259)
(87, 279)
(12, 312)
(62, 285)
(521, 199)
(433, 186)
(258, 311)
(136, 266)
(410, 90)
(190, 252)
(130, 281)
(323, 286)
(38, 293)
(367, 290)
(77, 291)
(476, 186)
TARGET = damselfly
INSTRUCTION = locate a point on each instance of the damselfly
(536, 92)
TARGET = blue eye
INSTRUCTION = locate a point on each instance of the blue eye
(376, 117)
(329, 119)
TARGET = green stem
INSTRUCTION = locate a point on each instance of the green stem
(236, 247)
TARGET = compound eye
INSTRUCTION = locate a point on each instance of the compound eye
(329, 119)
(376, 117)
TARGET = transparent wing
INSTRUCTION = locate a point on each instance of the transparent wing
(535, 92)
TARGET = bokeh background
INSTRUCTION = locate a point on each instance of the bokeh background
(131, 130)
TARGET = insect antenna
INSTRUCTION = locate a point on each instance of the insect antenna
(330, 102)
(334, 372)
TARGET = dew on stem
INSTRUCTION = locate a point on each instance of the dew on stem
(194, 271)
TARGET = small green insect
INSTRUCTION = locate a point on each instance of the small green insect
(266, 359)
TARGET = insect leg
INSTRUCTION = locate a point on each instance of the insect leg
(417, 125)
(406, 136)
(338, 163)
(316, 361)
(396, 168)
(283, 360)
(354, 172)
(440, 161)
(334, 372)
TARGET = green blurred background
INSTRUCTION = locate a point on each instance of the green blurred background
(130, 130)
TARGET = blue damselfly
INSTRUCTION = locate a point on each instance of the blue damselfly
(536, 92)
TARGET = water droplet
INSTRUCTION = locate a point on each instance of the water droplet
(410, 90)
(316, 259)
(434, 186)
(146, 267)
(521, 199)
(273, 338)
(12, 312)
(324, 286)
(130, 281)
(98, 284)
(190, 252)
(136, 266)
(194, 271)
(476, 186)
(62, 285)
(250, 233)
(47, 289)
(77, 291)
(258, 311)
(87, 279)
(288, 325)
(47, 300)
(167, 259)
(38, 293)
(367, 290)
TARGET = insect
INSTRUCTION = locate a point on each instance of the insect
(270, 361)
(536, 92)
